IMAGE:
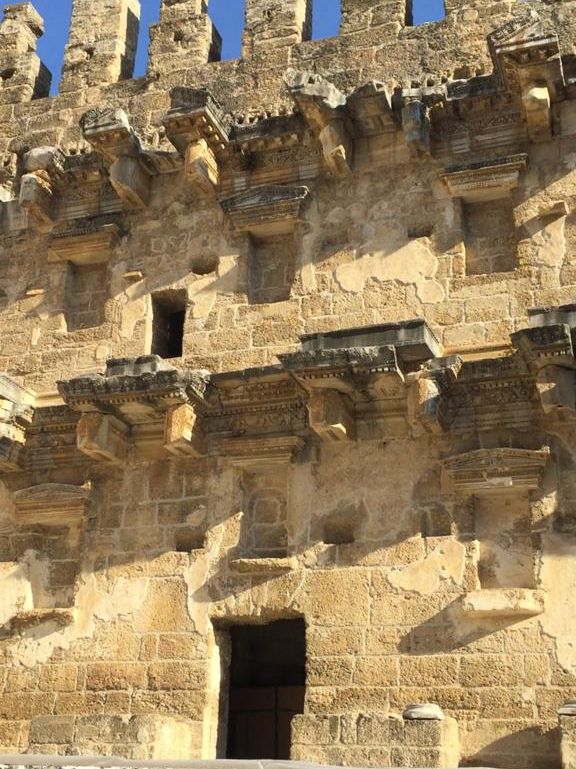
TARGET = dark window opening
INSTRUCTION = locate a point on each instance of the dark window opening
(326, 17)
(169, 316)
(423, 11)
(267, 678)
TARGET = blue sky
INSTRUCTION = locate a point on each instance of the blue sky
(227, 14)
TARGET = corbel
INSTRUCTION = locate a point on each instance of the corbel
(43, 169)
(549, 353)
(109, 132)
(324, 109)
(527, 57)
(16, 413)
(416, 106)
(428, 394)
(195, 125)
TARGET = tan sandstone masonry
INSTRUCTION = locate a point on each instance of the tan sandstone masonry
(290, 339)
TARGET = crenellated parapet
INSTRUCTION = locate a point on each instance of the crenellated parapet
(102, 43)
(185, 36)
(22, 75)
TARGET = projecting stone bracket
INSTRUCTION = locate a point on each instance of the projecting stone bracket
(43, 171)
(346, 379)
(17, 407)
(504, 602)
(140, 408)
(526, 55)
(549, 354)
(415, 106)
(109, 132)
(196, 126)
(324, 109)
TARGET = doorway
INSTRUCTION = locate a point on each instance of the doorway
(266, 690)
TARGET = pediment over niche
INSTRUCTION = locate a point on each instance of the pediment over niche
(266, 210)
(51, 504)
(526, 26)
(487, 471)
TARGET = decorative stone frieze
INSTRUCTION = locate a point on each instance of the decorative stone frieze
(488, 471)
(485, 181)
(142, 405)
(17, 406)
(51, 504)
(267, 210)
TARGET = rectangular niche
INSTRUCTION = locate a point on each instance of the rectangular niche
(86, 295)
(271, 268)
(503, 529)
(264, 527)
(489, 236)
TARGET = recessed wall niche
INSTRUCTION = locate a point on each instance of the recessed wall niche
(271, 268)
(86, 295)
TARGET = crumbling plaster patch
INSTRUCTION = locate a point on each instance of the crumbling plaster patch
(445, 562)
(411, 263)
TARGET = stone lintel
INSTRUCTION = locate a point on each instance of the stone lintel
(51, 504)
(266, 210)
(259, 450)
(485, 181)
(489, 471)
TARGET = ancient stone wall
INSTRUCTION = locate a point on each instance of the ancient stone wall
(290, 338)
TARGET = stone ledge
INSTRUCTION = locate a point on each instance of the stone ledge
(263, 565)
(505, 602)
(34, 617)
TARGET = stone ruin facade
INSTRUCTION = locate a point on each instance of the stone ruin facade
(288, 390)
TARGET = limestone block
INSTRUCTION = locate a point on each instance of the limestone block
(274, 24)
(102, 43)
(131, 182)
(184, 36)
(509, 602)
(103, 438)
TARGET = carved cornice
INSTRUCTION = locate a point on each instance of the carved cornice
(137, 404)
